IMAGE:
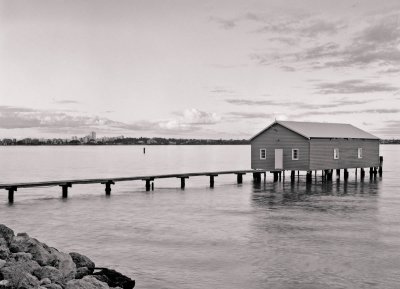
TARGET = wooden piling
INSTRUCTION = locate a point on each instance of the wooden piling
(346, 174)
(239, 178)
(275, 176)
(212, 180)
(108, 187)
(292, 176)
(309, 177)
(11, 191)
(380, 165)
(362, 173)
(338, 173)
(257, 178)
(147, 184)
(280, 176)
(65, 189)
(183, 178)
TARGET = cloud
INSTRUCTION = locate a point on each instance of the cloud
(391, 129)
(346, 112)
(353, 86)
(250, 115)
(66, 101)
(225, 23)
(299, 105)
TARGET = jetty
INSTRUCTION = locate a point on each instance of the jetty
(149, 181)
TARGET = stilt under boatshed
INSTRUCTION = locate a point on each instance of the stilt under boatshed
(312, 146)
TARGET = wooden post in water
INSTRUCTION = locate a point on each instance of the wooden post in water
(147, 184)
(183, 178)
(11, 191)
(239, 178)
(65, 189)
(380, 165)
(371, 172)
(212, 180)
(280, 175)
(257, 178)
(108, 187)
(275, 176)
(338, 173)
(346, 174)
(292, 176)
(309, 176)
(362, 173)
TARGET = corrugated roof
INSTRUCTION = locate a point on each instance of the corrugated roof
(323, 130)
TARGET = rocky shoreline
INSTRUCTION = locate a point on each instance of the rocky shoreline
(26, 263)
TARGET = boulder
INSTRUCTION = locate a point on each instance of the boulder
(40, 252)
(22, 256)
(4, 252)
(82, 261)
(16, 269)
(49, 272)
(5, 284)
(116, 279)
(87, 282)
(64, 263)
(82, 272)
(2, 263)
(23, 280)
(6, 233)
(45, 281)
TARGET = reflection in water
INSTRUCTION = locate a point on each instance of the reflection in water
(320, 235)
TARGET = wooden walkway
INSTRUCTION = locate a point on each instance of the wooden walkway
(65, 184)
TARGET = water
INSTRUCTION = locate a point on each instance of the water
(273, 235)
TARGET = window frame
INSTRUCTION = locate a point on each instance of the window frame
(360, 153)
(265, 154)
(336, 153)
(297, 158)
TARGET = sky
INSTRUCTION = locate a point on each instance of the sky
(196, 69)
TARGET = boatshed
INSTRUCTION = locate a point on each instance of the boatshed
(307, 146)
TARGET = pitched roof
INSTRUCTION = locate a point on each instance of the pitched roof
(323, 130)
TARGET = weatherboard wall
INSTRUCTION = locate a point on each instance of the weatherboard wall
(279, 137)
(321, 153)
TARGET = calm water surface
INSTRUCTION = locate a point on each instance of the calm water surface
(273, 235)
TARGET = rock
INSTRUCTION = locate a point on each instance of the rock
(4, 252)
(64, 263)
(102, 278)
(5, 284)
(82, 272)
(22, 256)
(49, 272)
(15, 269)
(82, 261)
(45, 281)
(116, 279)
(40, 252)
(87, 282)
(2, 263)
(52, 286)
(6, 233)
(23, 280)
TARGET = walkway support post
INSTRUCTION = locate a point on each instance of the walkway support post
(380, 165)
(362, 174)
(183, 181)
(239, 177)
(11, 191)
(257, 178)
(108, 187)
(346, 174)
(148, 184)
(309, 176)
(275, 176)
(212, 180)
(338, 173)
(65, 189)
(292, 176)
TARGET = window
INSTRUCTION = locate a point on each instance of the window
(360, 153)
(295, 154)
(263, 154)
(336, 154)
